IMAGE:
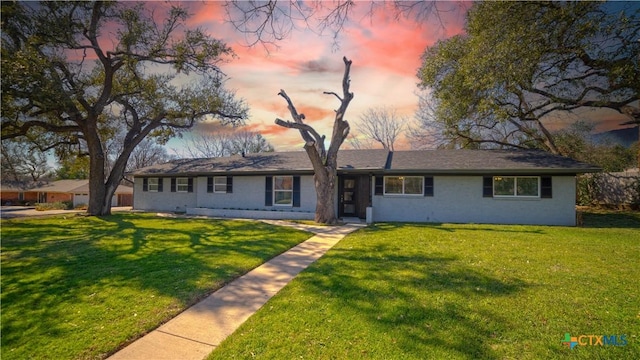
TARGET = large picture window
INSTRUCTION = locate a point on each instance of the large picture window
(516, 186)
(403, 185)
(283, 190)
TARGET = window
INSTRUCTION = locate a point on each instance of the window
(521, 186)
(283, 190)
(220, 184)
(182, 184)
(153, 184)
(403, 185)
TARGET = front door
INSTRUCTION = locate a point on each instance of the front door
(348, 196)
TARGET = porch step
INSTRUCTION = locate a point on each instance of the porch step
(352, 220)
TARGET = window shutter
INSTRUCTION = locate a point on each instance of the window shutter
(487, 186)
(379, 185)
(546, 187)
(160, 184)
(428, 186)
(296, 191)
(210, 184)
(268, 191)
(173, 184)
(229, 184)
(145, 184)
(190, 185)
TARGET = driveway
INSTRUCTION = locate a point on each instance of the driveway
(14, 212)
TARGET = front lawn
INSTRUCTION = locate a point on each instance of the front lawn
(80, 287)
(445, 291)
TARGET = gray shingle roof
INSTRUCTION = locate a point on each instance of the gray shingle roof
(276, 162)
(424, 161)
(479, 161)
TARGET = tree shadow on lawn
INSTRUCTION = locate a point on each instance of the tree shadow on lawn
(611, 219)
(453, 227)
(428, 304)
(43, 281)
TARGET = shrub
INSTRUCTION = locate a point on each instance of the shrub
(81, 207)
(58, 205)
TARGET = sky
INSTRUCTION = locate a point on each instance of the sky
(385, 52)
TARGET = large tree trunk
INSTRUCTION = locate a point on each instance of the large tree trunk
(97, 188)
(325, 182)
(101, 204)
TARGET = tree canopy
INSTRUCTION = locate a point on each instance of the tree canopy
(76, 73)
(520, 63)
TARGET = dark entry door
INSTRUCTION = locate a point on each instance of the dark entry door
(348, 196)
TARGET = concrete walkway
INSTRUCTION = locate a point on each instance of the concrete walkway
(197, 331)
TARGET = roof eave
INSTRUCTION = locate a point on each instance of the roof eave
(543, 171)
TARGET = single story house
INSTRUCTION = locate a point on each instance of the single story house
(17, 195)
(77, 191)
(460, 186)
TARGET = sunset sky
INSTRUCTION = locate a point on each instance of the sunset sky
(386, 56)
(385, 53)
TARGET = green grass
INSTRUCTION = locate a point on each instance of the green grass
(445, 291)
(80, 287)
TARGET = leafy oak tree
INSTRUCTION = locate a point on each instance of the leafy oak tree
(76, 72)
(520, 63)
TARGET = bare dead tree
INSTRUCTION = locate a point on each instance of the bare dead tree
(22, 163)
(147, 153)
(208, 145)
(359, 142)
(249, 142)
(383, 125)
(325, 162)
(226, 143)
(425, 132)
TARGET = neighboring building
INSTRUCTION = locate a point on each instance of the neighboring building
(459, 186)
(77, 191)
(14, 195)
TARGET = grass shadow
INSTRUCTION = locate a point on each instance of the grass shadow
(386, 289)
(594, 218)
(70, 286)
(452, 227)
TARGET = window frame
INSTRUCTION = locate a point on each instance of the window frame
(403, 178)
(150, 184)
(515, 187)
(223, 184)
(275, 191)
(179, 185)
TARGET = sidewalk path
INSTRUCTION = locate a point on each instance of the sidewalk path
(196, 332)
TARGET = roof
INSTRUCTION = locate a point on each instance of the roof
(75, 186)
(275, 162)
(464, 161)
(378, 161)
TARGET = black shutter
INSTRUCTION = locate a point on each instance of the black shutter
(428, 186)
(160, 184)
(145, 184)
(229, 184)
(296, 191)
(190, 185)
(268, 191)
(173, 184)
(379, 185)
(210, 184)
(487, 186)
(546, 187)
